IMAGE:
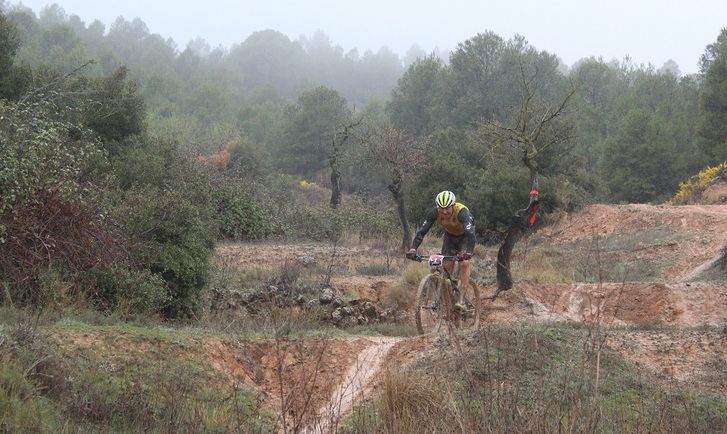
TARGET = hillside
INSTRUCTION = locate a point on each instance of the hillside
(644, 285)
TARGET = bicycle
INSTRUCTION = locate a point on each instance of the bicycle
(432, 306)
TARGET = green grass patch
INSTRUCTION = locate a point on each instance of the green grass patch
(132, 379)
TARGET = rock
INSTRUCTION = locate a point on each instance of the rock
(314, 303)
(326, 296)
(338, 301)
(251, 296)
(369, 309)
(347, 310)
(362, 319)
(307, 260)
(337, 315)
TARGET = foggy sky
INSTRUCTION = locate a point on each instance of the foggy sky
(649, 31)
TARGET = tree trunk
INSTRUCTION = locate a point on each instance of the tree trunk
(335, 174)
(395, 188)
(335, 185)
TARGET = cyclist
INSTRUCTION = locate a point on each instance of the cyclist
(459, 235)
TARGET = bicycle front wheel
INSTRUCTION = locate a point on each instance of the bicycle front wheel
(428, 309)
(469, 318)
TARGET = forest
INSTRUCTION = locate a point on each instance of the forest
(124, 159)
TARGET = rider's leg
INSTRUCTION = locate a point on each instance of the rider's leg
(449, 248)
(465, 268)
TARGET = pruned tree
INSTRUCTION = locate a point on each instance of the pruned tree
(400, 155)
(537, 131)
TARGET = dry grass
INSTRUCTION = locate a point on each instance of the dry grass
(399, 296)
(408, 403)
(533, 379)
(81, 390)
(480, 251)
(544, 266)
(414, 272)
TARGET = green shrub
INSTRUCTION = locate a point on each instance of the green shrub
(39, 153)
(128, 291)
(242, 214)
(166, 213)
(323, 223)
(172, 237)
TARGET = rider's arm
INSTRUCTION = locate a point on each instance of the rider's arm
(428, 222)
(465, 217)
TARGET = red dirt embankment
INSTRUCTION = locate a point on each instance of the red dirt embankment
(688, 235)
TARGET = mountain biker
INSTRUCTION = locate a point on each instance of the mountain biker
(459, 235)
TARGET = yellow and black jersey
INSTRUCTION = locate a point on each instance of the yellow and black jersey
(459, 223)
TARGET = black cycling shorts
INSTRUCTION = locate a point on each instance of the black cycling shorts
(452, 244)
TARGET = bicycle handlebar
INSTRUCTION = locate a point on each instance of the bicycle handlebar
(421, 258)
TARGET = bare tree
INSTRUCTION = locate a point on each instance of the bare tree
(340, 136)
(536, 130)
(400, 155)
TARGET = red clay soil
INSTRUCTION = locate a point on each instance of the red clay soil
(685, 357)
(295, 377)
(682, 304)
(715, 194)
(698, 232)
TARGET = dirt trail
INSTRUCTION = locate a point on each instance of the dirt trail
(667, 248)
(354, 385)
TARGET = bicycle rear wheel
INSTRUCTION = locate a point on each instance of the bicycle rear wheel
(470, 316)
(428, 309)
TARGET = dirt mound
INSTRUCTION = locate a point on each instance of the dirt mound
(687, 356)
(715, 193)
(682, 304)
(671, 240)
(296, 377)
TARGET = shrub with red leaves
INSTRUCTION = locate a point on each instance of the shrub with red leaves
(46, 233)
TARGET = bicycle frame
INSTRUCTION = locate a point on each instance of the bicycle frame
(439, 295)
(436, 263)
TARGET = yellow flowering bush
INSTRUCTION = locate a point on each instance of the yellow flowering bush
(688, 190)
